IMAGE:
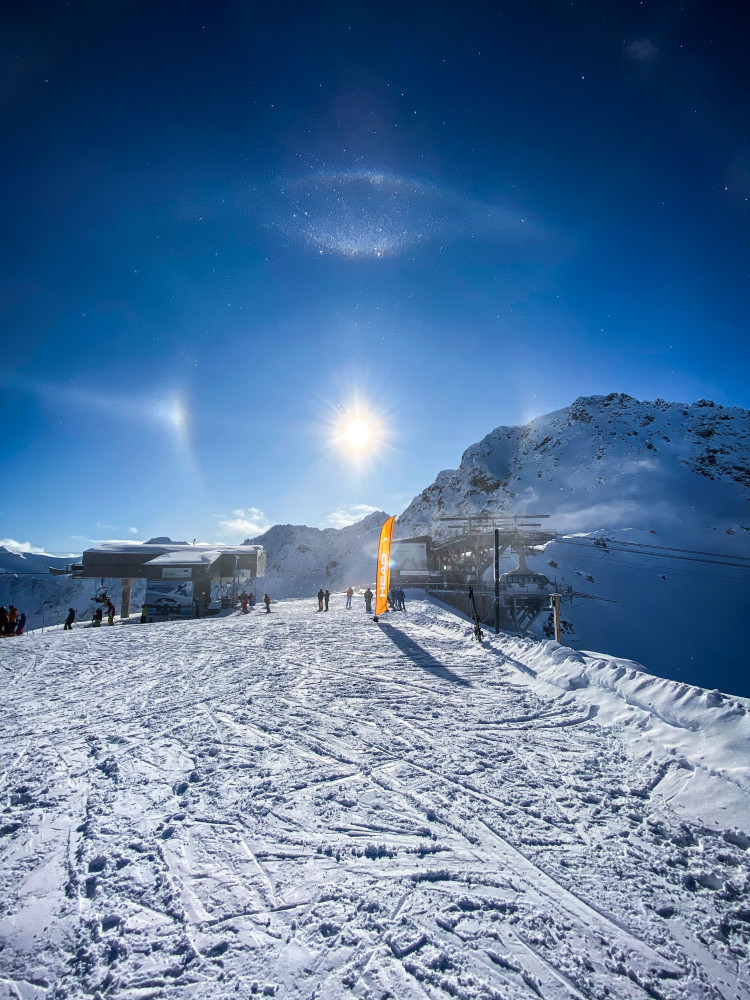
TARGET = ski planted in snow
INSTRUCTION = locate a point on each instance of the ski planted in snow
(478, 633)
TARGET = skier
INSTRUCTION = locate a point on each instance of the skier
(21, 624)
(368, 600)
(10, 628)
(327, 597)
(244, 598)
(144, 614)
(321, 595)
(3, 620)
(267, 602)
(98, 615)
(110, 613)
(68, 626)
(400, 606)
(349, 596)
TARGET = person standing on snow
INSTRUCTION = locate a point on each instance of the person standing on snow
(68, 626)
(349, 596)
(10, 628)
(326, 598)
(110, 613)
(368, 601)
(321, 595)
(21, 624)
(98, 615)
(267, 602)
(244, 599)
(400, 606)
(144, 614)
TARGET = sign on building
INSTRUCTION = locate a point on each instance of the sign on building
(164, 599)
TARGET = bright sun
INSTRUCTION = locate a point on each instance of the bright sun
(356, 434)
(357, 431)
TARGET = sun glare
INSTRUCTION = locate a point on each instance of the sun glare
(356, 434)
(356, 431)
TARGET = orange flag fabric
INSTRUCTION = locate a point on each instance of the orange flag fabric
(383, 582)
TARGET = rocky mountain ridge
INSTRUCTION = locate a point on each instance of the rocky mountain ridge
(602, 451)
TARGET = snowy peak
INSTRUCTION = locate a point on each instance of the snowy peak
(303, 559)
(622, 455)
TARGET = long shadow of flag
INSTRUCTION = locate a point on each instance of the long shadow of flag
(419, 656)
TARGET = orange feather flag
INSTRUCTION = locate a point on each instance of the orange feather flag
(383, 581)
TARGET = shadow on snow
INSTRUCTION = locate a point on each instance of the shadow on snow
(419, 656)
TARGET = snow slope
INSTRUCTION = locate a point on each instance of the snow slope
(308, 804)
(45, 599)
(658, 474)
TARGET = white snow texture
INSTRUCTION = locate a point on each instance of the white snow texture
(303, 804)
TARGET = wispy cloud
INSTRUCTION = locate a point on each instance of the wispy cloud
(245, 521)
(348, 515)
(22, 548)
(133, 531)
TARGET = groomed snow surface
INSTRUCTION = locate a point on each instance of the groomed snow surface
(312, 805)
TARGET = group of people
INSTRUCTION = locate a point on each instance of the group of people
(96, 621)
(247, 602)
(11, 622)
(395, 599)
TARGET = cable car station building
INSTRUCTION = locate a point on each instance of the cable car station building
(464, 552)
(179, 578)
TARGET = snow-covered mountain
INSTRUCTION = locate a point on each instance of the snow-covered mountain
(610, 462)
(17, 561)
(301, 559)
(660, 475)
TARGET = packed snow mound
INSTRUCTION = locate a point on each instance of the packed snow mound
(303, 804)
(710, 729)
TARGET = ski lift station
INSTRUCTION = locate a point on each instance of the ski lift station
(179, 578)
(465, 551)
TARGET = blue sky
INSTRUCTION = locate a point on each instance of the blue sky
(231, 231)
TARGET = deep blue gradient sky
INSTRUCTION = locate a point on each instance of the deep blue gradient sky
(507, 206)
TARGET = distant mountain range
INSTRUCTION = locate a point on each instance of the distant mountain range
(31, 562)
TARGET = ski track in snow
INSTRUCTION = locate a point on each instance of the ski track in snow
(314, 805)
